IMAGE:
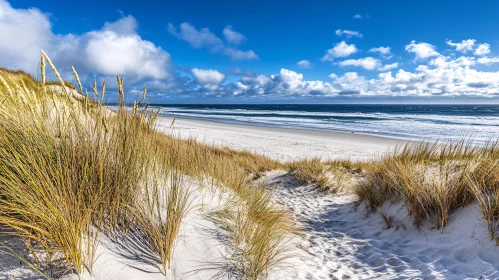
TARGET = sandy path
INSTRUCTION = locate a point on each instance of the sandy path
(341, 242)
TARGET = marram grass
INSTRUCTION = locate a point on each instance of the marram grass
(71, 168)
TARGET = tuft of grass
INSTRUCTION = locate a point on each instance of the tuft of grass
(71, 168)
(66, 168)
(430, 178)
(260, 234)
(311, 171)
(160, 214)
(483, 182)
(334, 176)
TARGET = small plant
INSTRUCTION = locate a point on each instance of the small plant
(484, 184)
(311, 171)
(160, 216)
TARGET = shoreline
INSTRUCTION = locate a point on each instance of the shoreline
(281, 143)
(276, 126)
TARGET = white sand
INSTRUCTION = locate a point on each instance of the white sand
(281, 143)
(340, 241)
(199, 253)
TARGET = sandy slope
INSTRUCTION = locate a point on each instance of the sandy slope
(342, 242)
(199, 252)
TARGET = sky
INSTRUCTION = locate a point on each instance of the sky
(358, 51)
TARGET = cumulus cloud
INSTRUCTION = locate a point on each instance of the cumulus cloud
(488, 60)
(482, 49)
(341, 49)
(421, 50)
(233, 37)
(464, 46)
(304, 64)
(381, 50)
(367, 63)
(236, 54)
(348, 33)
(350, 83)
(389, 66)
(440, 75)
(284, 83)
(24, 34)
(208, 76)
(204, 38)
(116, 48)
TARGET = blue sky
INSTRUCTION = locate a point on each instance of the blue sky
(249, 51)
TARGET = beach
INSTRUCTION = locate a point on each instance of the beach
(283, 144)
(178, 140)
(340, 239)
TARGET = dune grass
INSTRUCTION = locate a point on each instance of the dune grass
(160, 213)
(71, 167)
(333, 175)
(433, 180)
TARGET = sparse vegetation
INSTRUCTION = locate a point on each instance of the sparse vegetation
(332, 176)
(71, 168)
(434, 179)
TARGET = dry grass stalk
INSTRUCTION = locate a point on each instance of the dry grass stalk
(93, 169)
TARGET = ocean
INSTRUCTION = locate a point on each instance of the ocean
(409, 122)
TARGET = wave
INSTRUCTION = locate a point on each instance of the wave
(457, 119)
(401, 126)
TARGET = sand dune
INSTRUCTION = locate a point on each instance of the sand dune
(340, 240)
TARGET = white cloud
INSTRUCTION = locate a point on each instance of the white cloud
(464, 46)
(442, 76)
(304, 64)
(236, 54)
(291, 78)
(24, 34)
(348, 33)
(389, 66)
(232, 36)
(448, 62)
(482, 49)
(350, 83)
(381, 50)
(260, 80)
(367, 63)
(357, 16)
(204, 38)
(421, 50)
(208, 76)
(291, 82)
(341, 49)
(286, 83)
(118, 48)
(114, 49)
(488, 60)
(121, 51)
